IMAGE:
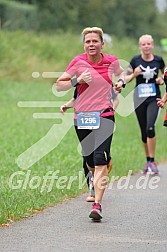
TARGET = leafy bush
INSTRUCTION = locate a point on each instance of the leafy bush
(18, 16)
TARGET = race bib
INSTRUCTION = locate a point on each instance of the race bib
(88, 120)
(146, 89)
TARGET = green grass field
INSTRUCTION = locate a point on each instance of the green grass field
(25, 189)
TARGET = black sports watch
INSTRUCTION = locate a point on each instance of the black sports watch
(74, 82)
(124, 83)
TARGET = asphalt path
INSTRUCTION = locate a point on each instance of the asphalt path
(134, 219)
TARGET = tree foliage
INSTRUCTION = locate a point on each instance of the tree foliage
(121, 18)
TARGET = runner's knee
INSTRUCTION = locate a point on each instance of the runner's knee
(101, 158)
(151, 132)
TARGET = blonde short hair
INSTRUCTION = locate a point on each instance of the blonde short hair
(97, 30)
(146, 36)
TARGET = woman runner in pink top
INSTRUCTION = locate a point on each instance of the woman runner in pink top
(91, 72)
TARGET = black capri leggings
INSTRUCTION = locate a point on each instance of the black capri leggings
(96, 143)
(147, 114)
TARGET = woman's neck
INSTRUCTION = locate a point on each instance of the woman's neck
(95, 59)
(147, 57)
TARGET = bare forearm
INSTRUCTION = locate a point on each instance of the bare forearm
(164, 98)
(70, 104)
(161, 102)
(129, 77)
(65, 82)
(121, 75)
(63, 85)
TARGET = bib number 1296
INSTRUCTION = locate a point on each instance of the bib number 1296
(88, 120)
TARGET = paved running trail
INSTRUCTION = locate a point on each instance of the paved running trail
(134, 220)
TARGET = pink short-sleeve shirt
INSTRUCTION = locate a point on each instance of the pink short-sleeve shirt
(95, 96)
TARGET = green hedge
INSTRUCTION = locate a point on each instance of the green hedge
(14, 15)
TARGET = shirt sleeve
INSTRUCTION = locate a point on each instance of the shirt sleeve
(132, 63)
(72, 67)
(162, 63)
